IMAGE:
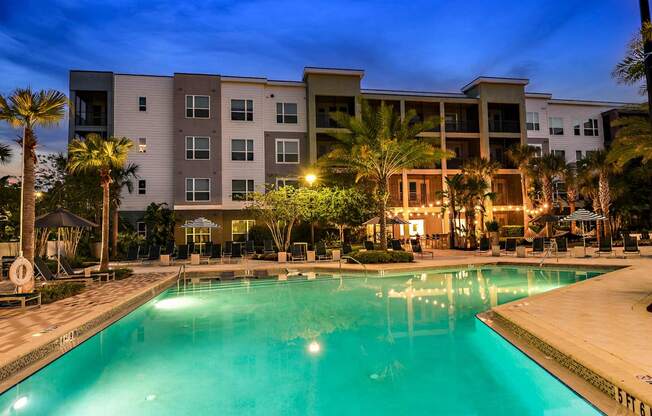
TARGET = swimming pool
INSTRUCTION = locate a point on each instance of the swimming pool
(403, 344)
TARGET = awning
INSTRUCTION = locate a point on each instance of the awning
(200, 222)
(583, 215)
(390, 221)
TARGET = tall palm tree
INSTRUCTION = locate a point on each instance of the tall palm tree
(102, 156)
(121, 178)
(454, 197)
(29, 109)
(569, 176)
(596, 165)
(521, 156)
(5, 153)
(631, 69)
(548, 169)
(481, 171)
(633, 141)
(378, 145)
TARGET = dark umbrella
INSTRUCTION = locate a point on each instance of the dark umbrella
(546, 219)
(61, 218)
(390, 221)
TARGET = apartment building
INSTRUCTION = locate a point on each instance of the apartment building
(204, 141)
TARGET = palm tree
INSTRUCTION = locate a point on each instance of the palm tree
(569, 175)
(29, 109)
(103, 156)
(454, 196)
(548, 169)
(5, 153)
(631, 69)
(521, 156)
(379, 145)
(121, 178)
(596, 165)
(481, 171)
(633, 141)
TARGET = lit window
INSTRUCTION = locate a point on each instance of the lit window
(286, 113)
(242, 149)
(281, 182)
(287, 151)
(591, 127)
(197, 106)
(556, 126)
(142, 103)
(197, 189)
(198, 236)
(142, 187)
(241, 189)
(242, 110)
(532, 121)
(240, 229)
(141, 229)
(198, 148)
(142, 145)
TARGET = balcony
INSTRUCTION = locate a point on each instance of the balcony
(91, 118)
(461, 118)
(462, 126)
(464, 149)
(504, 118)
(504, 126)
(423, 190)
(424, 111)
(498, 149)
(328, 105)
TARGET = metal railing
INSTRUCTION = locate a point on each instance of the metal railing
(462, 126)
(504, 126)
(364, 267)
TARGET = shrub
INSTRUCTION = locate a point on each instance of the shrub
(57, 291)
(382, 256)
(266, 256)
(122, 273)
(492, 226)
(511, 231)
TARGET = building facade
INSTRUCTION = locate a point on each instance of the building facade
(204, 141)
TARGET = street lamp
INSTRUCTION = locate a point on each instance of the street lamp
(311, 178)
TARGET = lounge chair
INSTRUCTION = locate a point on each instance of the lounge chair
(605, 246)
(396, 245)
(143, 251)
(132, 253)
(216, 252)
(321, 253)
(249, 248)
(154, 253)
(416, 248)
(368, 245)
(182, 252)
(346, 248)
(268, 247)
(297, 253)
(538, 245)
(191, 248)
(70, 272)
(630, 245)
(44, 272)
(645, 235)
(485, 245)
(236, 251)
(228, 249)
(169, 248)
(510, 245)
(33, 298)
(207, 249)
(562, 245)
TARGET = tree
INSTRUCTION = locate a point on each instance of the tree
(348, 206)
(481, 172)
(521, 156)
(595, 165)
(5, 153)
(122, 178)
(569, 176)
(633, 141)
(279, 209)
(29, 109)
(160, 222)
(453, 197)
(631, 69)
(102, 156)
(548, 168)
(378, 145)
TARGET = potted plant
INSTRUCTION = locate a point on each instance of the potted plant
(493, 227)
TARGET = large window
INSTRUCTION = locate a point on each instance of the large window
(591, 127)
(242, 110)
(198, 189)
(240, 229)
(286, 113)
(287, 151)
(556, 126)
(281, 182)
(198, 148)
(242, 149)
(198, 106)
(532, 121)
(241, 188)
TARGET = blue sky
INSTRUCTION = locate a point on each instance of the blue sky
(566, 47)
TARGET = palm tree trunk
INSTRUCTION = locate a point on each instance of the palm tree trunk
(383, 215)
(104, 257)
(451, 224)
(605, 201)
(29, 198)
(114, 232)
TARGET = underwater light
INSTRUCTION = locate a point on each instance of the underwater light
(314, 347)
(20, 403)
(174, 303)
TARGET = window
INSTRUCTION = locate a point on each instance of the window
(578, 155)
(591, 127)
(242, 110)
(241, 188)
(142, 187)
(197, 189)
(198, 148)
(142, 145)
(538, 149)
(532, 121)
(576, 128)
(240, 229)
(198, 106)
(142, 103)
(198, 236)
(561, 153)
(242, 149)
(141, 229)
(286, 113)
(281, 182)
(287, 151)
(556, 126)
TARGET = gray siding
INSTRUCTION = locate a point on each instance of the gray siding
(273, 169)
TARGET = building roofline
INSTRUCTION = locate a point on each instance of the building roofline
(91, 71)
(378, 91)
(142, 75)
(495, 80)
(573, 101)
(332, 71)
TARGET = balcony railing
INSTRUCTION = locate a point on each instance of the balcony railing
(90, 119)
(504, 126)
(462, 126)
(324, 120)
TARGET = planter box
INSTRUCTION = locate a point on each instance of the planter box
(520, 251)
(337, 254)
(165, 259)
(195, 259)
(282, 257)
(310, 256)
(495, 251)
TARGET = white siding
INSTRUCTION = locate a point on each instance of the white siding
(285, 94)
(156, 125)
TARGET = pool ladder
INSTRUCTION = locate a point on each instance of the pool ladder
(355, 261)
(181, 275)
(548, 253)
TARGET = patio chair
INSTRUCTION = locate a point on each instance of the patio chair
(416, 248)
(154, 253)
(510, 245)
(182, 252)
(191, 248)
(320, 251)
(368, 245)
(538, 245)
(485, 245)
(346, 248)
(43, 271)
(208, 248)
(297, 253)
(228, 249)
(143, 251)
(562, 245)
(216, 252)
(132, 253)
(70, 272)
(11, 299)
(605, 246)
(169, 248)
(268, 247)
(236, 251)
(396, 245)
(249, 248)
(630, 245)
(645, 235)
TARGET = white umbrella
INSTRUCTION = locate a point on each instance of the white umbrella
(200, 222)
(582, 216)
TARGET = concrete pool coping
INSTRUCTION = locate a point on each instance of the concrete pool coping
(32, 339)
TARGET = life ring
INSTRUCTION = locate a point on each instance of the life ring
(21, 271)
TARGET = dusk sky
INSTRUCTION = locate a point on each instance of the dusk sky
(565, 47)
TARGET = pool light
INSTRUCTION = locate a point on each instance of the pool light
(20, 403)
(314, 347)
(174, 303)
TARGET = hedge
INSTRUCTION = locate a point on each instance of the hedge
(54, 292)
(122, 273)
(382, 256)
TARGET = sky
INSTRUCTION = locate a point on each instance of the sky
(565, 47)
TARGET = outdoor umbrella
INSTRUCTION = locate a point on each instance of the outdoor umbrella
(200, 222)
(546, 219)
(582, 216)
(62, 218)
(390, 221)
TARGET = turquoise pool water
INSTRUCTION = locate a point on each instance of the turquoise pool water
(397, 345)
